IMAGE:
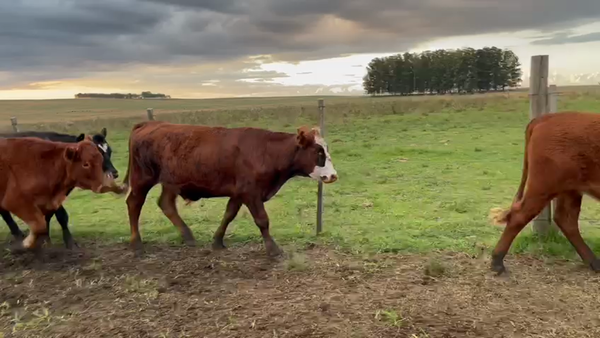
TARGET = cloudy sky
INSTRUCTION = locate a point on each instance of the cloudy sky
(220, 48)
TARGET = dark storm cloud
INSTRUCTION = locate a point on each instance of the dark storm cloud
(68, 37)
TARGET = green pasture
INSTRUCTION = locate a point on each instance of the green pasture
(415, 175)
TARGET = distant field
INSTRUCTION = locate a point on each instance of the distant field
(68, 111)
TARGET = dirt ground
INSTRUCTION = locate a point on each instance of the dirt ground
(104, 291)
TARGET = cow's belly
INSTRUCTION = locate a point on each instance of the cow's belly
(50, 205)
(194, 191)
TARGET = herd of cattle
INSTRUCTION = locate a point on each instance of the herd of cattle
(38, 170)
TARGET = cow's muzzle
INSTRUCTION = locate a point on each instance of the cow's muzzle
(329, 179)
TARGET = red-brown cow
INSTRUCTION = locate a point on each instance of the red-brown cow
(561, 160)
(248, 165)
(35, 176)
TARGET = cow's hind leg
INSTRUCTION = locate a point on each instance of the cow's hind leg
(233, 206)
(568, 207)
(63, 219)
(166, 202)
(257, 209)
(135, 202)
(519, 216)
(48, 218)
(12, 225)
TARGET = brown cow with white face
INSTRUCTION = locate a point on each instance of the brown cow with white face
(36, 176)
(248, 165)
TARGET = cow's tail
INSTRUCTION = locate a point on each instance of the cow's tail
(126, 179)
(500, 216)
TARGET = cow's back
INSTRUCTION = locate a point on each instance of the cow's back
(568, 142)
(200, 157)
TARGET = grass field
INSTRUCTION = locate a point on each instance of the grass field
(417, 175)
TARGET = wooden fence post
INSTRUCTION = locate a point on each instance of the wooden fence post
(320, 184)
(150, 113)
(553, 108)
(538, 106)
(13, 121)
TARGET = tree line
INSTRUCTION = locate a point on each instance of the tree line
(143, 95)
(442, 71)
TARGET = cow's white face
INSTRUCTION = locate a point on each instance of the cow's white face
(313, 157)
(324, 169)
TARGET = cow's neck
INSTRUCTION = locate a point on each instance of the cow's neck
(64, 184)
(285, 166)
(61, 183)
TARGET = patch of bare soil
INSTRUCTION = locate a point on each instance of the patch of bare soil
(104, 291)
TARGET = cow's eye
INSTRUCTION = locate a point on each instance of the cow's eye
(321, 159)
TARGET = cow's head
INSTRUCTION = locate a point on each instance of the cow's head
(106, 151)
(84, 165)
(313, 155)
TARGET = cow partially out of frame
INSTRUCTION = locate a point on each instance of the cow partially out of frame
(248, 165)
(36, 175)
(562, 161)
(61, 213)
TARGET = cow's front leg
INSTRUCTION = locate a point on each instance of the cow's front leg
(63, 219)
(257, 209)
(233, 206)
(38, 231)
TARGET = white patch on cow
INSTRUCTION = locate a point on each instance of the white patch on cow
(28, 241)
(104, 147)
(327, 171)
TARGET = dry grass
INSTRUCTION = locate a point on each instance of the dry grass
(175, 292)
(72, 114)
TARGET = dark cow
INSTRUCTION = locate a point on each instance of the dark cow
(247, 165)
(36, 175)
(61, 214)
(562, 161)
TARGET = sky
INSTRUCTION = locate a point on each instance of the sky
(228, 48)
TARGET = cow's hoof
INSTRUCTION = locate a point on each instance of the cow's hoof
(188, 237)
(595, 265)
(70, 245)
(190, 242)
(273, 250)
(218, 245)
(136, 246)
(498, 268)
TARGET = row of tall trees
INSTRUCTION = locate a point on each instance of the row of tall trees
(143, 95)
(442, 71)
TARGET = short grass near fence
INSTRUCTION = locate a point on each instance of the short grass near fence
(416, 175)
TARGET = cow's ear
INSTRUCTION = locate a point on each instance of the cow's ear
(303, 136)
(103, 132)
(80, 137)
(71, 154)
